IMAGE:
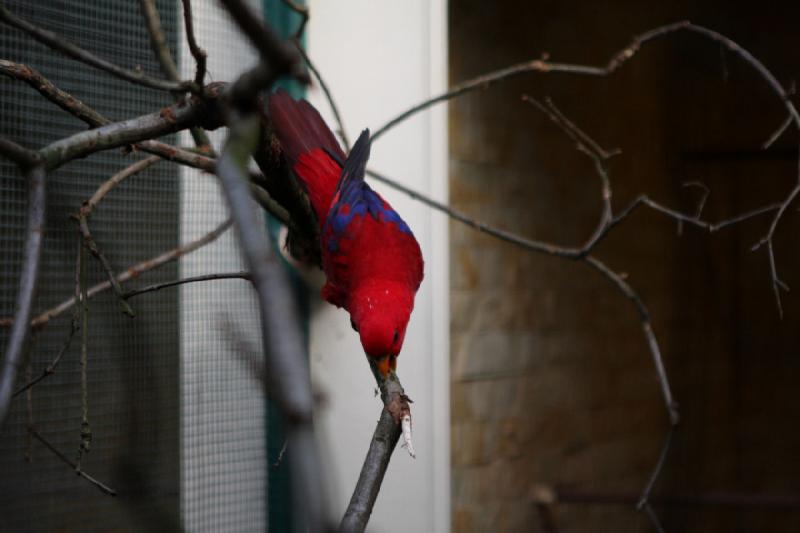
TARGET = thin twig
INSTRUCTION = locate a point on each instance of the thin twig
(328, 96)
(90, 244)
(83, 310)
(265, 200)
(279, 460)
(83, 224)
(21, 327)
(651, 514)
(199, 54)
(617, 60)
(193, 279)
(29, 407)
(116, 179)
(158, 40)
(777, 284)
(46, 88)
(304, 15)
(131, 272)
(51, 368)
(58, 43)
(644, 499)
(647, 328)
(105, 489)
(778, 132)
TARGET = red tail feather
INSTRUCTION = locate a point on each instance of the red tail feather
(300, 127)
(307, 142)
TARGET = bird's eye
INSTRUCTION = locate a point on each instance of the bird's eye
(396, 336)
(353, 325)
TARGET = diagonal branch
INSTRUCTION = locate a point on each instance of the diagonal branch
(617, 60)
(62, 99)
(50, 369)
(102, 487)
(80, 110)
(131, 272)
(200, 56)
(328, 96)
(18, 154)
(20, 330)
(278, 57)
(165, 59)
(198, 111)
(384, 439)
(58, 43)
(158, 40)
(193, 279)
(285, 358)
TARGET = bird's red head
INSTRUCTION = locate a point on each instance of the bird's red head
(379, 312)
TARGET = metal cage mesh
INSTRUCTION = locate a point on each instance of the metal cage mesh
(178, 422)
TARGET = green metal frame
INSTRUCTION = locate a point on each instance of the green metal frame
(279, 509)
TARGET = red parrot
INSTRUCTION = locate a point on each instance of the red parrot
(372, 262)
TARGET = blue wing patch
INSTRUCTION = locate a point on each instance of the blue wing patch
(355, 197)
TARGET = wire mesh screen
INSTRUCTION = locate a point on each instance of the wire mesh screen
(224, 463)
(177, 418)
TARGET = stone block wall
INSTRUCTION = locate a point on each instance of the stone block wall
(552, 382)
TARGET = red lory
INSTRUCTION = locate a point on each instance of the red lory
(372, 262)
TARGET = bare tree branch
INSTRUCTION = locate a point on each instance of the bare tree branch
(158, 40)
(285, 359)
(778, 132)
(193, 279)
(20, 155)
(647, 493)
(105, 489)
(130, 273)
(328, 96)
(58, 43)
(20, 330)
(278, 57)
(62, 99)
(165, 59)
(90, 244)
(75, 107)
(83, 312)
(83, 224)
(617, 60)
(169, 120)
(647, 328)
(200, 56)
(116, 179)
(50, 369)
(651, 514)
(384, 440)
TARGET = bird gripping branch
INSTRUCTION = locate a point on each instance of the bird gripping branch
(372, 262)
